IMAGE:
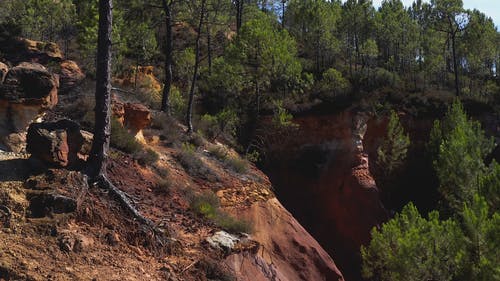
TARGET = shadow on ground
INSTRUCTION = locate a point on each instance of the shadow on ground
(15, 169)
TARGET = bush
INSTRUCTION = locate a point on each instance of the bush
(196, 139)
(333, 84)
(232, 224)
(219, 152)
(237, 164)
(222, 124)
(207, 204)
(233, 162)
(122, 139)
(192, 163)
(168, 126)
(282, 118)
(378, 78)
(146, 157)
(178, 103)
(164, 186)
(392, 152)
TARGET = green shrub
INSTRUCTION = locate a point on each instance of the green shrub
(333, 84)
(192, 162)
(207, 204)
(233, 162)
(146, 157)
(196, 139)
(282, 118)
(162, 172)
(218, 151)
(391, 154)
(178, 104)
(222, 124)
(253, 156)
(237, 164)
(164, 186)
(232, 224)
(168, 126)
(122, 139)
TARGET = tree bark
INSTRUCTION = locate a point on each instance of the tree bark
(189, 114)
(209, 50)
(100, 146)
(455, 65)
(165, 101)
(239, 14)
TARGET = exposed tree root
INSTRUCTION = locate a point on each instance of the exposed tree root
(158, 239)
(5, 215)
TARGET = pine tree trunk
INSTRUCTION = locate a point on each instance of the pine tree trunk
(455, 65)
(209, 49)
(102, 129)
(165, 101)
(239, 14)
(189, 115)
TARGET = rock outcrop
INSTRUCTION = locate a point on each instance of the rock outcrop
(144, 79)
(27, 91)
(55, 143)
(70, 76)
(133, 116)
(137, 117)
(17, 49)
(286, 252)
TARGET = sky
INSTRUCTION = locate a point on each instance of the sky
(490, 7)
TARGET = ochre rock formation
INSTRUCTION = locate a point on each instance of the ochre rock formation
(70, 76)
(17, 49)
(321, 174)
(27, 91)
(136, 118)
(55, 143)
(145, 78)
(133, 116)
(286, 252)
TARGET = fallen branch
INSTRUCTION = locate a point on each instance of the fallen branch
(189, 266)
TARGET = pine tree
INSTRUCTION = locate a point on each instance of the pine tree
(102, 129)
(459, 147)
(392, 153)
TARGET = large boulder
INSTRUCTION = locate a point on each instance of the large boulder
(137, 117)
(70, 76)
(27, 91)
(17, 49)
(55, 143)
